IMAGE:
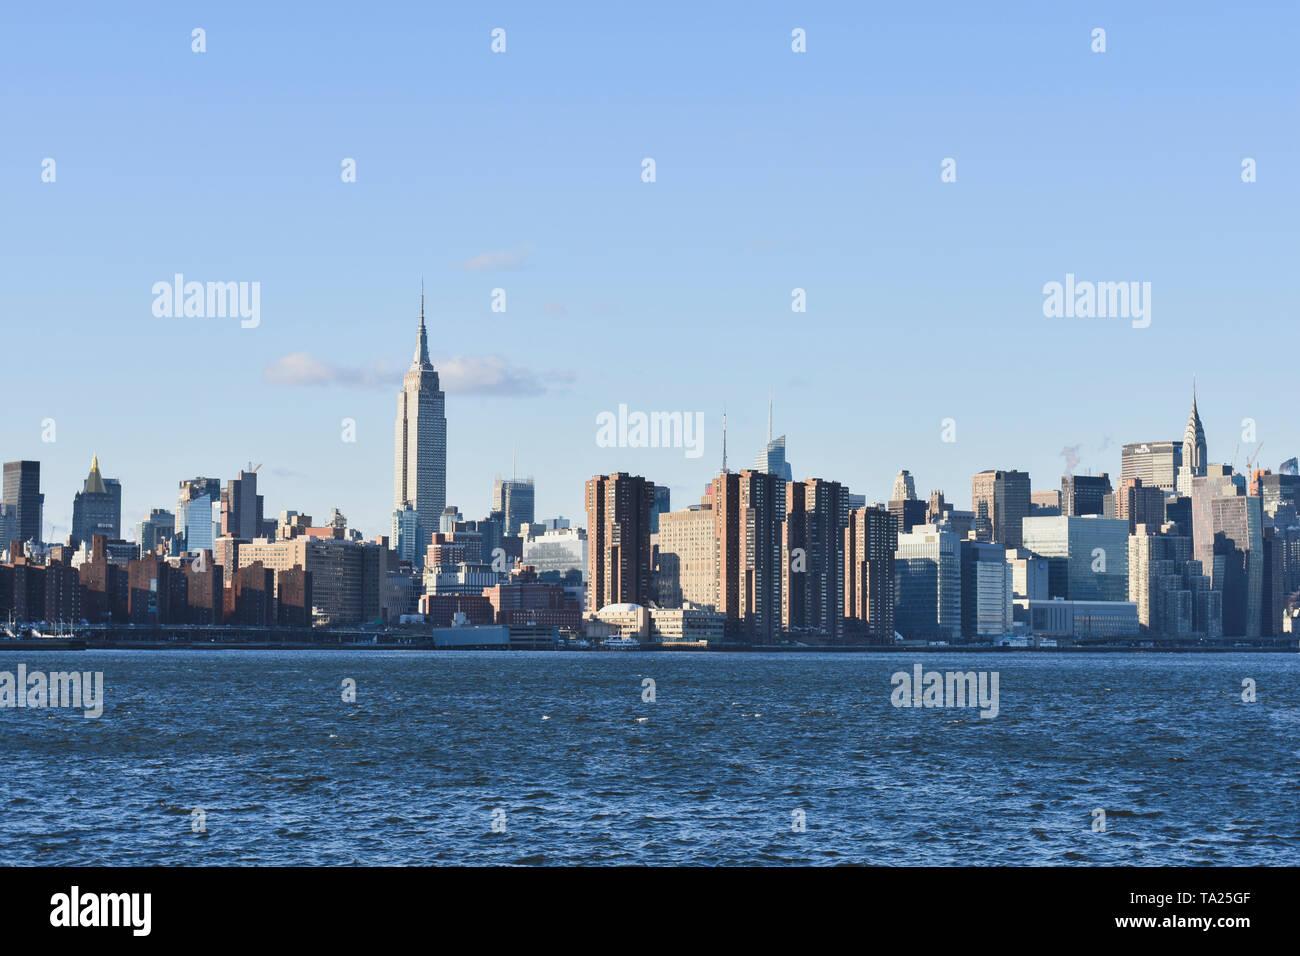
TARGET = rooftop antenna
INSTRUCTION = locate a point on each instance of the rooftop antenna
(514, 459)
(724, 439)
(770, 396)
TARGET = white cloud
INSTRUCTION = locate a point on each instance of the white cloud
(459, 374)
(299, 368)
(486, 375)
(498, 259)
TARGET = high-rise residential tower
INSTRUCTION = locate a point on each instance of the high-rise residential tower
(869, 544)
(812, 587)
(420, 447)
(618, 540)
(748, 512)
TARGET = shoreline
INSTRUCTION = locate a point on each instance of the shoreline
(79, 644)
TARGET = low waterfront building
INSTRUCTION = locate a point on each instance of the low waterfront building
(629, 620)
(1083, 620)
(687, 625)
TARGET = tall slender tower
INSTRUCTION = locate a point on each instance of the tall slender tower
(1194, 453)
(420, 452)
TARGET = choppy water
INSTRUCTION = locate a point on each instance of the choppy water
(710, 773)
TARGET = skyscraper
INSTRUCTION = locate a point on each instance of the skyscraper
(514, 498)
(1173, 597)
(618, 540)
(241, 507)
(8, 526)
(663, 504)
(1087, 557)
(1084, 494)
(194, 512)
(904, 487)
(97, 507)
(986, 589)
(22, 493)
(817, 512)
(869, 543)
(420, 448)
(748, 510)
(771, 460)
(687, 558)
(1000, 500)
(907, 513)
(1155, 462)
(1138, 504)
(1195, 458)
(154, 530)
(927, 572)
(1227, 538)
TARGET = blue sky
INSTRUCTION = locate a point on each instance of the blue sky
(522, 171)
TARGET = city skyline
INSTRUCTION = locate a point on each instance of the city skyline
(682, 495)
(820, 171)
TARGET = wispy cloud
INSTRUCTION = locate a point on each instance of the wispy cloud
(498, 259)
(298, 369)
(459, 374)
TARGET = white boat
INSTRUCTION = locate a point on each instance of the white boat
(60, 633)
(620, 643)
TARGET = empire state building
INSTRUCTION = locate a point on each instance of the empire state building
(420, 454)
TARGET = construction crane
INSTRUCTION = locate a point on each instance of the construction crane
(1250, 463)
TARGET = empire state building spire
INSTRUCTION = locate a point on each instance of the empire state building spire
(421, 359)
